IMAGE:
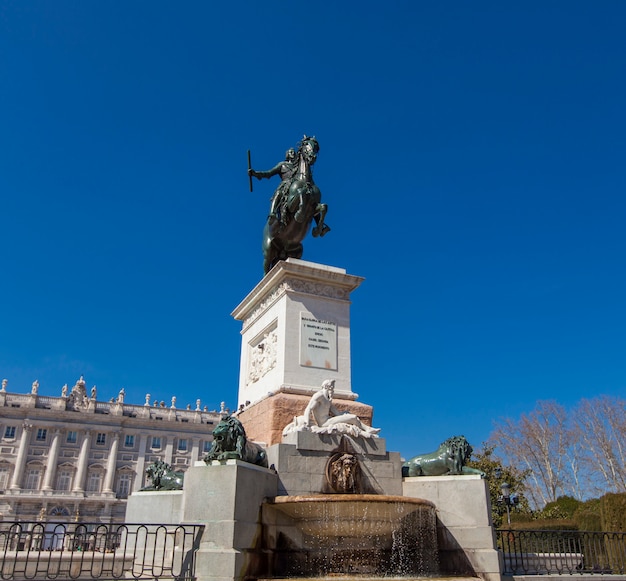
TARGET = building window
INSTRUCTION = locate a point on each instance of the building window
(41, 434)
(129, 441)
(101, 439)
(59, 511)
(207, 446)
(4, 477)
(9, 433)
(123, 485)
(72, 437)
(64, 480)
(94, 482)
(32, 479)
(182, 444)
(156, 442)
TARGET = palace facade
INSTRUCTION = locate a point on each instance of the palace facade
(74, 458)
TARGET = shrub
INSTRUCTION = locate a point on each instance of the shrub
(562, 507)
(613, 512)
(546, 525)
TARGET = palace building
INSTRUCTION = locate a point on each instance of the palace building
(76, 458)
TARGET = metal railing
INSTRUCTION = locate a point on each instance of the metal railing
(47, 550)
(558, 552)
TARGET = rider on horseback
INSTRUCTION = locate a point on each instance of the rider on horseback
(286, 169)
(295, 204)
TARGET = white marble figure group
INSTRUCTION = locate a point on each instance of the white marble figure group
(327, 418)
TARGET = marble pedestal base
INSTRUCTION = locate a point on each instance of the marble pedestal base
(465, 536)
(224, 497)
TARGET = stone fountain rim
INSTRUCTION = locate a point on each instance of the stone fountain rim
(376, 498)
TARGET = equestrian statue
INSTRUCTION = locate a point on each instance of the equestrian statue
(294, 205)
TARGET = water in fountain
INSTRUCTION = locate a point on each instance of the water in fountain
(350, 534)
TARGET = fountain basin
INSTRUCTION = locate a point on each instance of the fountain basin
(350, 534)
(349, 515)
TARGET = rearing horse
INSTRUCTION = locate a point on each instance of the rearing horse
(300, 204)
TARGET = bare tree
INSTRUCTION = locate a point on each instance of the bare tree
(576, 464)
(601, 425)
(539, 442)
(582, 453)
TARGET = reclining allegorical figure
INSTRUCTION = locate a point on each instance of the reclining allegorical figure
(328, 419)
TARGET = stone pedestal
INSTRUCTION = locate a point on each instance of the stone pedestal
(226, 498)
(302, 457)
(296, 332)
(155, 507)
(465, 535)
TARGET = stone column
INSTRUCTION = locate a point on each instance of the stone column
(169, 445)
(141, 463)
(22, 454)
(51, 464)
(81, 471)
(195, 450)
(111, 463)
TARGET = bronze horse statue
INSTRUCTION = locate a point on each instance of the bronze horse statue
(296, 203)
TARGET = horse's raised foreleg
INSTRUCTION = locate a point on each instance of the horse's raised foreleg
(300, 215)
(321, 229)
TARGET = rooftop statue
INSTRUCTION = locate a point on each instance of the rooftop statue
(230, 442)
(294, 205)
(328, 419)
(449, 458)
(77, 399)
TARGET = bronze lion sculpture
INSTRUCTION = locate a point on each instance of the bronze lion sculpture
(449, 458)
(163, 477)
(230, 442)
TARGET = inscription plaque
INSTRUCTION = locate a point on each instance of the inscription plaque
(318, 343)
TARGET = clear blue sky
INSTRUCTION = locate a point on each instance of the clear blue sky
(472, 157)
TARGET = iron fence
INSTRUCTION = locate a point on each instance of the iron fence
(559, 552)
(48, 550)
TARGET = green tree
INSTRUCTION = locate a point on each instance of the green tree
(496, 475)
(563, 507)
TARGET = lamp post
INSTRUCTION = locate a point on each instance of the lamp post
(507, 499)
